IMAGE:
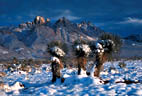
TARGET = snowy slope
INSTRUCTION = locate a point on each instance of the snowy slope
(39, 83)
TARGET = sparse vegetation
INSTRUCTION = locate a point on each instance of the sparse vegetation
(115, 38)
(59, 44)
(122, 64)
(114, 50)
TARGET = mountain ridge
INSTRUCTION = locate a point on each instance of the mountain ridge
(30, 39)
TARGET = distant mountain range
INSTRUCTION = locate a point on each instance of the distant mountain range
(135, 37)
(30, 39)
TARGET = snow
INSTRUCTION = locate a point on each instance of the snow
(102, 45)
(99, 46)
(19, 49)
(16, 87)
(83, 47)
(4, 52)
(55, 59)
(39, 84)
(90, 66)
(58, 51)
(99, 51)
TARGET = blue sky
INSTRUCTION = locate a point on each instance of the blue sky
(118, 16)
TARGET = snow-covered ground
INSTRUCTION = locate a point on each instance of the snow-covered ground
(39, 83)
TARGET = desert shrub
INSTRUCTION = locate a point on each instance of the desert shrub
(115, 38)
(114, 50)
(15, 60)
(62, 52)
(24, 63)
(81, 48)
(30, 62)
(59, 44)
(122, 64)
(76, 42)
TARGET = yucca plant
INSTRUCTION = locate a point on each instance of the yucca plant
(116, 40)
(82, 51)
(56, 49)
(107, 45)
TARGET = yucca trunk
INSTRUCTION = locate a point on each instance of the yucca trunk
(100, 59)
(82, 61)
(56, 68)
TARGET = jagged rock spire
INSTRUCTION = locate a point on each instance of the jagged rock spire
(39, 20)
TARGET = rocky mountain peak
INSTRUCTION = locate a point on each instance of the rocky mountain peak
(39, 20)
(85, 24)
(63, 22)
(47, 20)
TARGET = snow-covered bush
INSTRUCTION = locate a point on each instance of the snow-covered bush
(111, 41)
(57, 51)
(55, 59)
(108, 43)
(99, 48)
(104, 46)
(82, 50)
(57, 48)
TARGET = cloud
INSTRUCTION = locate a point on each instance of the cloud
(131, 20)
(66, 13)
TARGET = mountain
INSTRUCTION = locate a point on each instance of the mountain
(30, 39)
(135, 37)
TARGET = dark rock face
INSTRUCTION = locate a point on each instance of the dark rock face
(8, 39)
(30, 39)
(27, 37)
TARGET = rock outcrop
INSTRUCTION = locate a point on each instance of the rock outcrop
(39, 20)
(47, 20)
(29, 24)
(89, 29)
(23, 25)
